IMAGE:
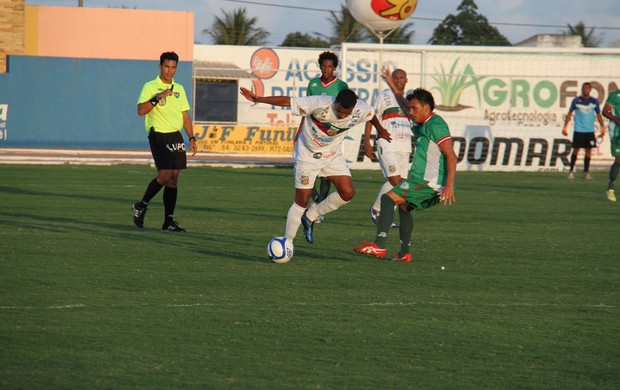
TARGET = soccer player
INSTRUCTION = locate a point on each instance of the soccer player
(326, 84)
(393, 156)
(611, 111)
(584, 107)
(318, 151)
(430, 180)
(164, 104)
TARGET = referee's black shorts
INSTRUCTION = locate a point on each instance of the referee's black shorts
(583, 140)
(168, 150)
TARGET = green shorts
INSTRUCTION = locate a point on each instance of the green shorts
(418, 195)
(615, 145)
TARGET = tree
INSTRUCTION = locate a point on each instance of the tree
(588, 38)
(346, 29)
(467, 28)
(236, 28)
(297, 39)
(401, 35)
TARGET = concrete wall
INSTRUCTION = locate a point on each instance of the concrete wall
(73, 74)
(55, 102)
(114, 33)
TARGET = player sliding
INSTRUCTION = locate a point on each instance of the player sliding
(430, 179)
(318, 151)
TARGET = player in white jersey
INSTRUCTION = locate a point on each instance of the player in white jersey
(318, 151)
(393, 156)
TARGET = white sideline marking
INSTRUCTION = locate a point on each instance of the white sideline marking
(430, 303)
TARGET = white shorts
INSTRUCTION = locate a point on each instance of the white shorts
(306, 171)
(395, 164)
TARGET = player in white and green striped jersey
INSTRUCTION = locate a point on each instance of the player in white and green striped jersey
(430, 179)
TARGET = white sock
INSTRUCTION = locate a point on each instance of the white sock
(385, 188)
(293, 220)
(331, 203)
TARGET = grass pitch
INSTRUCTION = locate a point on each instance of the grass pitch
(529, 297)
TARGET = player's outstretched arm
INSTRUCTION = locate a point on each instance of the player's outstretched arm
(280, 101)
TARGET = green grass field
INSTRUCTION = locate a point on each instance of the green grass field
(529, 297)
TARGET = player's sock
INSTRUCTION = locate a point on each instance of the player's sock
(384, 189)
(385, 221)
(613, 175)
(151, 190)
(293, 220)
(573, 160)
(332, 203)
(324, 189)
(586, 164)
(170, 200)
(406, 230)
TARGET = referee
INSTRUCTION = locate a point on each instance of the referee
(165, 107)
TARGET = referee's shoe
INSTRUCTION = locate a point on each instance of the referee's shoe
(171, 226)
(139, 211)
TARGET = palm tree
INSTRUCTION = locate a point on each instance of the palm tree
(345, 28)
(588, 38)
(236, 28)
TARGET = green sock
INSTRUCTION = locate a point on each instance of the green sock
(406, 230)
(385, 221)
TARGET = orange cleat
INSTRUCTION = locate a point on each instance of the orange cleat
(370, 248)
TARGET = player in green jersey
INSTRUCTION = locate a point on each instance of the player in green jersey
(611, 111)
(431, 177)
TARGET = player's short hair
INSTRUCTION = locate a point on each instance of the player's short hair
(346, 98)
(423, 96)
(169, 55)
(589, 84)
(328, 55)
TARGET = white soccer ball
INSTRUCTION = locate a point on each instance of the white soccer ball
(280, 250)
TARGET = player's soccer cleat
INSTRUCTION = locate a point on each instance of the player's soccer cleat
(308, 226)
(370, 248)
(394, 225)
(611, 195)
(139, 211)
(586, 176)
(571, 175)
(406, 258)
(374, 214)
(171, 226)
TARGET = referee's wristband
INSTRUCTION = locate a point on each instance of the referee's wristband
(154, 100)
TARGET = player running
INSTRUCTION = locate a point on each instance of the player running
(318, 151)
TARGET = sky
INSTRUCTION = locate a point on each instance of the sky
(541, 16)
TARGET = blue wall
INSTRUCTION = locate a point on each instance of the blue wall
(77, 103)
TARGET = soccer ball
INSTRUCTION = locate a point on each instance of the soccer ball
(280, 250)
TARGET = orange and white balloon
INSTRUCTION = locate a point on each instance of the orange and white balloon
(381, 15)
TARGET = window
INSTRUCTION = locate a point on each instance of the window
(216, 101)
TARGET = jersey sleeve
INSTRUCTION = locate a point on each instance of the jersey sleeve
(367, 112)
(146, 94)
(573, 105)
(597, 108)
(438, 131)
(302, 106)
